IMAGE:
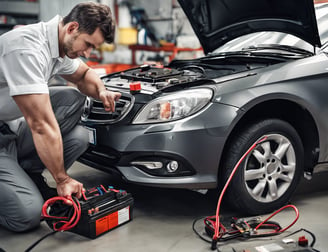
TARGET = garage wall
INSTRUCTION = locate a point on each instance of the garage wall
(50, 8)
(164, 16)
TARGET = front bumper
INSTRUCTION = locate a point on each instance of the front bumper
(195, 143)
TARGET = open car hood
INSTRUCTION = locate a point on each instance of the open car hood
(216, 22)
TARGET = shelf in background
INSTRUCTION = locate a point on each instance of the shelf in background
(21, 8)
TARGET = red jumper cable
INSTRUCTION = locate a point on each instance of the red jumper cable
(218, 226)
(217, 221)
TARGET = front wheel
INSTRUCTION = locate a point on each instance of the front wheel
(268, 176)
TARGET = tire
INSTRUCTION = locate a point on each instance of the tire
(268, 175)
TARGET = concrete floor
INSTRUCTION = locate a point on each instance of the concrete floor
(162, 220)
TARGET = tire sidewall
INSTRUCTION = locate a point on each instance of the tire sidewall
(248, 137)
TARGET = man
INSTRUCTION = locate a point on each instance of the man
(39, 124)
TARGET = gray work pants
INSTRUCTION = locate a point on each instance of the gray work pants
(20, 199)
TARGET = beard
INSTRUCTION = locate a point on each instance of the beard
(68, 49)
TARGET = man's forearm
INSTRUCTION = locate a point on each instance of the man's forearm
(39, 116)
(48, 143)
(91, 84)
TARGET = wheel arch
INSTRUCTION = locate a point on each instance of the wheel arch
(286, 110)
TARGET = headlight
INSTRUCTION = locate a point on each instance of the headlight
(174, 106)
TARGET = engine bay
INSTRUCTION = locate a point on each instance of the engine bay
(151, 77)
(156, 77)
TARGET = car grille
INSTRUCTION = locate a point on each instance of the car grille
(94, 111)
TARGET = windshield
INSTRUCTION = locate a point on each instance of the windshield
(267, 38)
(264, 38)
(321, 11)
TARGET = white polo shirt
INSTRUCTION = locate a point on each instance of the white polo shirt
(29, 57)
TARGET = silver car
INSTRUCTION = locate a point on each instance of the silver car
(186, 125)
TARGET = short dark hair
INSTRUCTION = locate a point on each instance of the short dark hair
(92, 15)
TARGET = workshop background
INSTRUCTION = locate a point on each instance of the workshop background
(148, 31)
(142, 27)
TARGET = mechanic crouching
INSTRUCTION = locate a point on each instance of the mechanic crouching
(39, 124)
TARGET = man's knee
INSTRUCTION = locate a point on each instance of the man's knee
(26, 217)
(78, 139)
(66, 96)
(82, 135)
(75, 144)
(68, 106)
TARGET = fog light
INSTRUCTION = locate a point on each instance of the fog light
(149, 164)
(172, 166)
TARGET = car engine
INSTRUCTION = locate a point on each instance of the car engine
(152, 78)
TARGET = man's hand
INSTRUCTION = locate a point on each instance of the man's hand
(69, 187)
(108, 98)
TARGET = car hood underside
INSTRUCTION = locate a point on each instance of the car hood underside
(216, 22)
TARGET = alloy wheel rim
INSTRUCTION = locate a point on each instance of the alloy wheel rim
(269, 169)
